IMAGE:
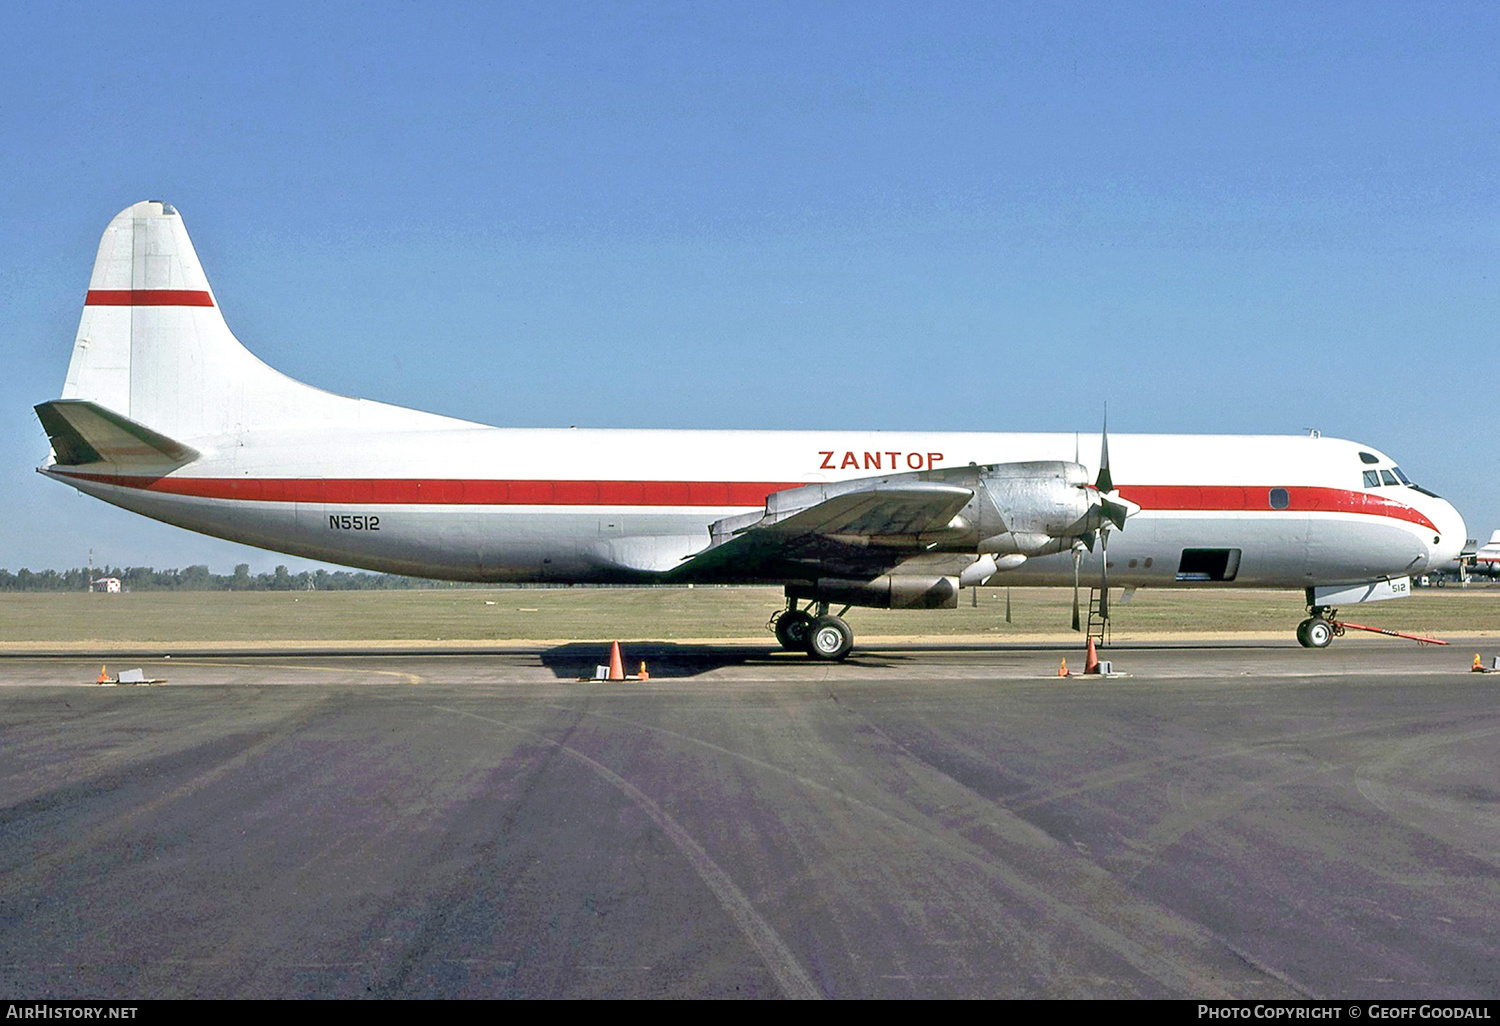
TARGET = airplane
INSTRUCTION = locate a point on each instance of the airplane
(165, 413)
(1486, 559)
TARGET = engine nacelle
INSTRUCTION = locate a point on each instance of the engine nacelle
(888, 591)
(1022, 544)
(986, 566)
(1033, 506)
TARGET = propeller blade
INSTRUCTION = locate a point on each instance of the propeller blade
(1104, 482)
(1103, 575)
(1114, 512)
(1077, 555)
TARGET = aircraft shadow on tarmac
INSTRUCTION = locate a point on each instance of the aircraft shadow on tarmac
(666, 659)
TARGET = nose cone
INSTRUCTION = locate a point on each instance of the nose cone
(1443, 553)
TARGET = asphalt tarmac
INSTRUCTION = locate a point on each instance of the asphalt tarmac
(1253, 821)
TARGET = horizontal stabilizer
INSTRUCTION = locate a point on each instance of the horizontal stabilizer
(83, 432)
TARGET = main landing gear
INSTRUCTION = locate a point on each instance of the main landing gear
(1319, 629)
(821, 636)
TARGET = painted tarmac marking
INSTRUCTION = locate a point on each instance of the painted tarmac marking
(410, 678)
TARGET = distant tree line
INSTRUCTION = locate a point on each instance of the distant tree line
(200, 578)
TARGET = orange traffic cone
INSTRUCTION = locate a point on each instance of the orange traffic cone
(1062, 671)
(1092, 664)
(644, 675)
(104, 677)
(616, 664)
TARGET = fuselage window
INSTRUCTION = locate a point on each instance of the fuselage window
(1388, 477)
(1279, 498)
(1369, 457)
(1372, 479)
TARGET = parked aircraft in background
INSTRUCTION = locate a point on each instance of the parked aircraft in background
(1486, 558)
(165, 413)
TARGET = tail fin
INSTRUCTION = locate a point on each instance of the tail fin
(153, 347)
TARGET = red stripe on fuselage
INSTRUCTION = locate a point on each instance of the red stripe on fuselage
(455, 492)
(148, 297)
(461, 492)
(1232, 498)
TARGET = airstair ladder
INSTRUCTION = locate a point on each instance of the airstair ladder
(1098, 625)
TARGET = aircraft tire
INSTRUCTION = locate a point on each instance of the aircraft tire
(1319, 633)
(791, 629)
(1302, 633)
(829, 638)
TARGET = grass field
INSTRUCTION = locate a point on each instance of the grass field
(31, 621)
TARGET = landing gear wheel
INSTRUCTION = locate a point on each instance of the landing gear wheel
(1302, 633)
(1319, 633)
(829, 638)
(791, 629)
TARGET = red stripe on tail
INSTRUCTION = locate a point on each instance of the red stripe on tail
(148, 297)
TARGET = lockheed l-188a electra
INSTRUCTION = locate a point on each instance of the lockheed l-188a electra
(165, 413)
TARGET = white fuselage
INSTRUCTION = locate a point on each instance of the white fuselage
(447, 499)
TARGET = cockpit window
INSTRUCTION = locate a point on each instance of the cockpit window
(1372, 479)
(1404, 479)
(1388, 477)
(1369, 457)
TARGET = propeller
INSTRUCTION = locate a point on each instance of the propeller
(1112, 512)
(1109, 509)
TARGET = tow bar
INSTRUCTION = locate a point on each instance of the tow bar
(1339, 626)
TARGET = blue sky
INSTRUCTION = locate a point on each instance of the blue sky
(1218, 217)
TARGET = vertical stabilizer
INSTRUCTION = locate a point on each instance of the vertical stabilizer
(152, 345)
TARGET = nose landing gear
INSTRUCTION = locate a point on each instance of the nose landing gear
(1319, 629)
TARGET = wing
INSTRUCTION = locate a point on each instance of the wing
(854, 529)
